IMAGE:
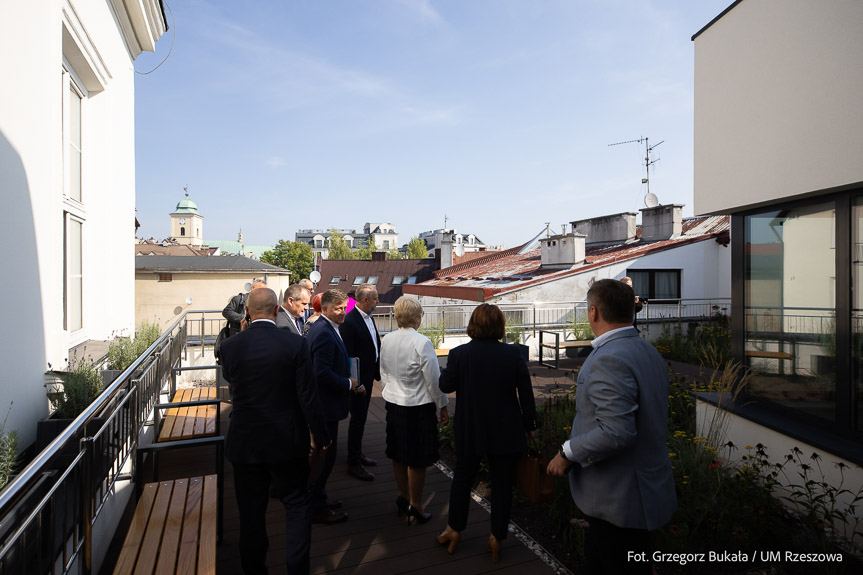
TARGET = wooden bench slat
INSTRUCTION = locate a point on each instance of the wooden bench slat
(188, 557)
(132, 543)
(153, 536)
(209, 522)
(188, 429)
(182, 413)
(173, 527)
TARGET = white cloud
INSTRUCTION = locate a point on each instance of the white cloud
(423, 10)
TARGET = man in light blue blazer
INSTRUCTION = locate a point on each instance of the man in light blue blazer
(619, 469)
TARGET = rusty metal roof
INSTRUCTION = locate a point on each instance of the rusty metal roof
(342, 275)
(510, 270)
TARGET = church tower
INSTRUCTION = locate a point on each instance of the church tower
(187, 225)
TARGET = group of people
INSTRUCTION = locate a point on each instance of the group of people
(292, 386)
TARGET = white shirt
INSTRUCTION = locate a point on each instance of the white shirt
(410, 370)
(370, 324)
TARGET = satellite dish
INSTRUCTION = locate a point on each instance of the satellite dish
(650, 200)
(315, 276)
(248, 286)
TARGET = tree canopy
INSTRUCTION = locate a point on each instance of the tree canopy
(294, 256)
(416, 249)
(339, 248)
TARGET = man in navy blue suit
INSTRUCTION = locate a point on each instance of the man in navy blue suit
(335, 388)
(275, 405)
(363, 341)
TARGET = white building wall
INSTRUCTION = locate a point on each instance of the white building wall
(32, 180)
(777, 100)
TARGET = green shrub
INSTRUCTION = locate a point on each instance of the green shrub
(82, 384)
(8, 451)
(435, 332)
(124, 350)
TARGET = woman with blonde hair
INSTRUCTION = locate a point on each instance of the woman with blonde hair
(409, 385)
(495, 412)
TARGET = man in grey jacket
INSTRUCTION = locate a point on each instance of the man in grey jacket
(619, 469)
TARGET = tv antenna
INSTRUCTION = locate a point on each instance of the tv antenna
(650, 200)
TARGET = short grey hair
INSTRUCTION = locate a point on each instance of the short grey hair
(408, 312)
(294, 291)
(364, 291)
(333, 296)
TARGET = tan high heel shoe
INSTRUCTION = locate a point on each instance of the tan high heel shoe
(494, 545)
(451, 535)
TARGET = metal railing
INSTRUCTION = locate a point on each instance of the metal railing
(48, 510)
(530, 318)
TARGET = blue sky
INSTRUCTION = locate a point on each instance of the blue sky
(289, 114)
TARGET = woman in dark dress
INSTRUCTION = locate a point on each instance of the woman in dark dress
(495, 411)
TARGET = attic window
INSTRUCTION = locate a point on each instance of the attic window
(412, 280)
(165, 277)
(359, 280)
(373, 280)
(335, 280)
(397, 280)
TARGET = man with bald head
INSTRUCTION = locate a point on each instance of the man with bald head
(275, 406)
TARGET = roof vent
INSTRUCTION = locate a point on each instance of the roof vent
(563, 251)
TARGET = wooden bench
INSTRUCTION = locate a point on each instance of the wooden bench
(768, 354)
(174, 528)
(192, 413)
(557, 345)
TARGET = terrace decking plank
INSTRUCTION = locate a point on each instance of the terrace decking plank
(173, 527)
(129, 552)
(209, 520)
(153, 536)
(188, 555)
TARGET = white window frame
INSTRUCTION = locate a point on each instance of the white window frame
(69, 276)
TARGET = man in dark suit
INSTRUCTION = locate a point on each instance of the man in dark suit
(335, 388)
(619, 471)
(275, 405)
(294, 304)
(363, 341)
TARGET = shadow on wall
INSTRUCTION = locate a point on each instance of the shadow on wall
(22, 340)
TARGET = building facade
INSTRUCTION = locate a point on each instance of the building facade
(67, 171)
(461, 243)
(381, 235)
(778, 146)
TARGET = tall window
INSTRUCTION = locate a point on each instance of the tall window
(74, 280)
(789, 274)
(74, 143)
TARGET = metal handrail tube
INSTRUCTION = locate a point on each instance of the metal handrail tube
(35, 467)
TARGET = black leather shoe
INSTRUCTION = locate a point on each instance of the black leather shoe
(360, 472)
(337, 504)
(367, 461)
(327, 516)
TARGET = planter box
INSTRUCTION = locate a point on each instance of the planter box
(109, 375)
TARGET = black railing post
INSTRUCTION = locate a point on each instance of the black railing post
(87, 446)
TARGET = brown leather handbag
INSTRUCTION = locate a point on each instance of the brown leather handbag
(531, 478)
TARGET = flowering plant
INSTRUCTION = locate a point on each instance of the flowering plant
(81, 385)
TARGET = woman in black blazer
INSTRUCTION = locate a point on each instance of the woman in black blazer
(495, 410)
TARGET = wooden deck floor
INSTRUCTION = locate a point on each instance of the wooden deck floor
(373, 540)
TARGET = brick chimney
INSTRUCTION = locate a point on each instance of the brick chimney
(661, 222)
(379, 256)
(563, 251)
(613, 229)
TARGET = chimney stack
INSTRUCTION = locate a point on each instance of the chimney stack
(613, 229)
(661, 222)
(563, 251)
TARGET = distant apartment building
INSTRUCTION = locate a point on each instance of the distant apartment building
(382, 235)
(67, 171)
(461, 243)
